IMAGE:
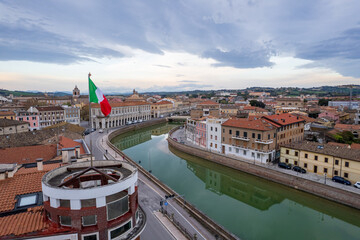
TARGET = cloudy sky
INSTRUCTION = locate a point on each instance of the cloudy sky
(159, 45)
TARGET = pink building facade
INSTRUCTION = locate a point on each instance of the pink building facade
(31, 117)
(200, 138)
(330, 115)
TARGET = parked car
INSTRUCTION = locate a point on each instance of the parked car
(299, 169)
(87, 131)
(128, 122)
(284, 165)
(140, 120)
(135, 121)
(341, 180)
(101, 130)
(357, 185)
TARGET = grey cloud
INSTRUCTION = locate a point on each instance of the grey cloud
(188, 81)
(240, 59)
(163, 66)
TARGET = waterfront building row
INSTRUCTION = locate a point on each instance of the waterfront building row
(255, 139)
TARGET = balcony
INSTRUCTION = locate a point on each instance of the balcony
(263, 150)
(241, 138)
(264, 141)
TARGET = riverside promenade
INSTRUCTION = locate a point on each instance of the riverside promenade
(309, 182)
(180, 220)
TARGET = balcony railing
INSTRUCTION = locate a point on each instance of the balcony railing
(264, 141)
(241, 138)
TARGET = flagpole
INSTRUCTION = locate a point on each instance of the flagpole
(90, 123)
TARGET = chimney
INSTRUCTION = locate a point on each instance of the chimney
(39, 164)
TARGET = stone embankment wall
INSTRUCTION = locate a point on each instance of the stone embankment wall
(207, 222)
(319, 189)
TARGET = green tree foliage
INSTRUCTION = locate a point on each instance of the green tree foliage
(84, 113)
(323, 102)
(256, 103)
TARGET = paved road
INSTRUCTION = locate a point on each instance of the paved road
(180, 136)
(149, 199)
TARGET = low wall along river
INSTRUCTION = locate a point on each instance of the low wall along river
(248, 206)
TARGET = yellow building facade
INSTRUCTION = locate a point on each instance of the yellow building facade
(323, 159)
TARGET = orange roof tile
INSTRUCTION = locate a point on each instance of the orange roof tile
(65, 142)
(28, 154)
(347, 127)
(26, 222)
(162, 103)
(355, 146)
(283, 119)
(46, 168)
(344, 145)
(258, 124)
(208, 102)
(17, 185)
(6, 113)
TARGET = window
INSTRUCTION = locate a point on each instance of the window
(215, 137)
(215, 145)
(259, 136)
(244, 152)
(237, 133)
(120, 230)
(223, 130)
(346, 175)
(287, 151)
(229, 149)
(89, 220)
(65, 220)
(326, 159)
(253, 135)
(216, 129)
(346, 164)
(245, 134)
(268, 136)
(210, 144)
(336, 162)
(258, 155)
(237, 150)
(306, 155)
(296, 154)
(211, 128)
(325, 170)
(316, 157)
(65, 203)
(253, 154)
(336, 172)
(117, 205)
(88, 203)
(230, 131)
(296, 163)
(305, 165)
(287, 160)
(27, 200)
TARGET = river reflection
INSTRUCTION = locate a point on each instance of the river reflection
(248, 206)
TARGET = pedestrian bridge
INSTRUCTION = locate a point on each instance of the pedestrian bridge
(177, 118)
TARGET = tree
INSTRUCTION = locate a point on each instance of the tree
(84, 113)
(256, 103)
(323, 102)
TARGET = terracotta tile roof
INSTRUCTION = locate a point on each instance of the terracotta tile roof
(28, 154)
(162, 103)
(65, 142)
(258, 124)
(283, 119)
(208, 102)
(355, 146)
(50, 108)
(326, 149)
(9, 122)
(6, 113)
(306, 118)
(121, 104)
(46, 168)
(17, 185)
(344, 145)
(347, 127)
(25, 222)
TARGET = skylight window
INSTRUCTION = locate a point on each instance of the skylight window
(27, 200)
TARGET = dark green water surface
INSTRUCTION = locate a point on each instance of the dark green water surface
(248, 206)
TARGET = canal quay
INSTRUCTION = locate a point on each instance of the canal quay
(248, 206)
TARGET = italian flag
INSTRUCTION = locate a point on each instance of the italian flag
(96, 96)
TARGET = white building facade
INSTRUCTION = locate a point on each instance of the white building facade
(72, 115)
(121, 113)
(213, 133)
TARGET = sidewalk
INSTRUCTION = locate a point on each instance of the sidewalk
(180, 136)
(153, 194)
(169, 226)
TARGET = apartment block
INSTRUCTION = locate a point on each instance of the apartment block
(323, 159)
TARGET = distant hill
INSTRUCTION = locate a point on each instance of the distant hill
(5, 92)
